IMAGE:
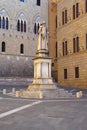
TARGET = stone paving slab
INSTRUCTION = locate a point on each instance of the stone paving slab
(49, 115)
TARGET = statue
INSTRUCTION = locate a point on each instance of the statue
(42, 38)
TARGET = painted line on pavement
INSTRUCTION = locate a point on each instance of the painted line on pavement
(2, 115)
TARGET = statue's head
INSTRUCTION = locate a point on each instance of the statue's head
(43, 23)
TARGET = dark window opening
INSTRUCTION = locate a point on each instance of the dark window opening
(22, 49)
(65, 73)
(22, 0)
(6, 23)
(38, 2)
(86, 6)
(3, 23)
(0, 21)
(21, 26)
(38, 27)
(18, 25)
(3, 47)
(56, 49)
(24, 26)
(76, 72)
(62, 18)
(56, 21)
(76, 44)
(86, 41)
(64, 48)
(35, 28)
(65, 16)
(75, 10)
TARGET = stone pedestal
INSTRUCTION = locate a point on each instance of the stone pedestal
(42, 81)
(42, 73)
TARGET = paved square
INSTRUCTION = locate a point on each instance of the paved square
(43, 115)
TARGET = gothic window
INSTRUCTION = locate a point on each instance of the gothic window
(3, 47)
(18, 25)
(36, 28)
(21, 23)
(37, 25)
(22, 49)
(24, 26)
(21, 26)
(3, 23)
(6, 23)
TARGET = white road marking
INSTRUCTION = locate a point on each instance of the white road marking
(18, 109)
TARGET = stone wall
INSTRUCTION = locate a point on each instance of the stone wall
(73, 28)
(16, 66)
(12, 63)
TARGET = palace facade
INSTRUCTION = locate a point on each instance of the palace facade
(19, 23)
(68, 40)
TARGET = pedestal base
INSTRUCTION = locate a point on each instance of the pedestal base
(40, 87)
(36, 91)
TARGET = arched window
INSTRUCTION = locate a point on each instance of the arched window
(22, 49)
(21, 26)
(18, 25)
(0, 21)
(35, 28)
(7, 23)
(24, 26)
(3, 23)
(3, 47)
